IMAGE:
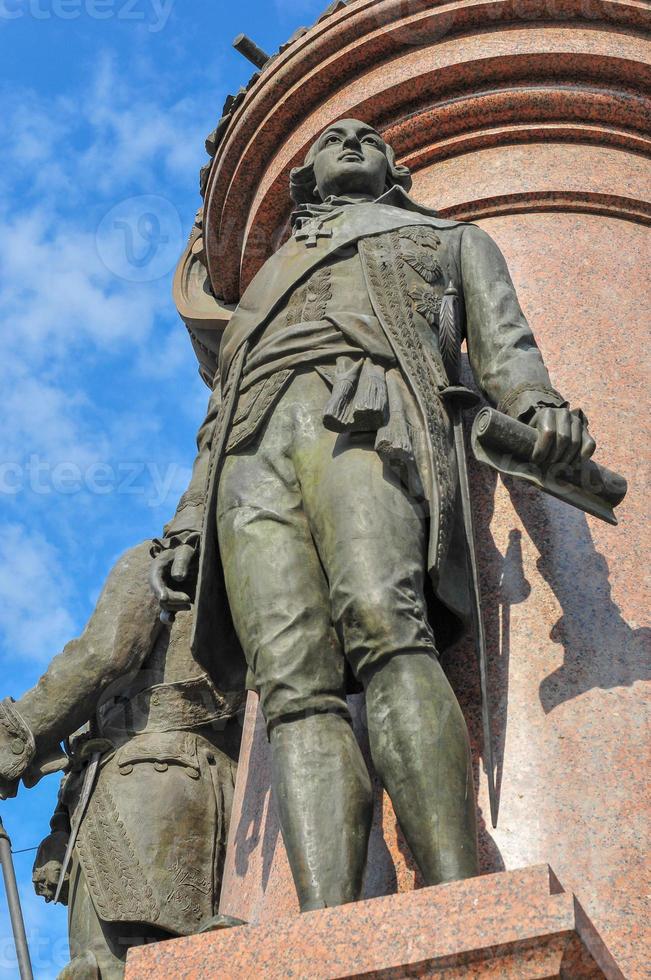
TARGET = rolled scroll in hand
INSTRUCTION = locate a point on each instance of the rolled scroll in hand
(507, 445)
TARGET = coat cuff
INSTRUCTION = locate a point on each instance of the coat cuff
(523, 402)
(174, 539)
(17, 743)
(185, 526)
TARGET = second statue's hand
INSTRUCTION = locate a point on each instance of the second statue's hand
(174, 565)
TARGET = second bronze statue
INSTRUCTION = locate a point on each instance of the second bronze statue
(325, 509)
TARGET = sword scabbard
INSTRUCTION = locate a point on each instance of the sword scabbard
(86, 790)
(478, 619)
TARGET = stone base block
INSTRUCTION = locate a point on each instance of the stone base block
(515, 924)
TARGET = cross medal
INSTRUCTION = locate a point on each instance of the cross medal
(309, 230)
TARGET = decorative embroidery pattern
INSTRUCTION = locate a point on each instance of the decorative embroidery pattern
(186, 880)
(512, 396)
(310, 301)
(423, 260)
(450, 333)
(319, 292)
(224, 416)
(294, 309)
(387, 281)
(423, 237)
(269, 390)
(116, 879)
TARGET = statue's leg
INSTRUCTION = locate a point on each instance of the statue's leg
(90, 945)
(420, 749)
(279, 600)
(371, 536)
(324, 798)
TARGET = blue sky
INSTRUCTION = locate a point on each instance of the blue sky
(106, 104)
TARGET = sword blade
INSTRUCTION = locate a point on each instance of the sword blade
(480, 637)
(84, 799)
(15, 911)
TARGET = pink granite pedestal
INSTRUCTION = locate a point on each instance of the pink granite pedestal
(513, 925)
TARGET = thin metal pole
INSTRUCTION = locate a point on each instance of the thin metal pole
(15, 911)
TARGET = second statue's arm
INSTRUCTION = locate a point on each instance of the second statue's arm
(505, 358)
(118, 637)
(173, 570)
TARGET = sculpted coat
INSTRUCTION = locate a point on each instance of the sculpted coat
(408, 256)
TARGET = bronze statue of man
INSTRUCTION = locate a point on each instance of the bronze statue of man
(325, 508)
(144, 807)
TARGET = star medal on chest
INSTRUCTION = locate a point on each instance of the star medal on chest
(428, 304)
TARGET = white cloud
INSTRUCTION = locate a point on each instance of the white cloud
(34, 591)
(61, 309)
(129, 135)
(58, 294)
(104, 141)
(41, 418)
(88, 365)
(89, 358)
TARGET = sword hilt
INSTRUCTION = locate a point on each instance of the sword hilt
(458, 396)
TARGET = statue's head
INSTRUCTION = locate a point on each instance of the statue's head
(349, 157)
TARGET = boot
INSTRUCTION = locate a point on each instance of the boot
(420, 749)
(324, 799)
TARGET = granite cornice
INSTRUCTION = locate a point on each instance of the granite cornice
(588, 73)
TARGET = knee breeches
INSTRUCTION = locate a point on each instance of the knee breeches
(323, 552)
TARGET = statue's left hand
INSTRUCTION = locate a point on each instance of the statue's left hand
(47, 867)
(563, 437)
(175, 567)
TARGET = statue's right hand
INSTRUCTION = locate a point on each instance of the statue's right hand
(8, 788)
(175, 567)
(47, 867)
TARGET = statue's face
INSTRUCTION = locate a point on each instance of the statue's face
(350, 159)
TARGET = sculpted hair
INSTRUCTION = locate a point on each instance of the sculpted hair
(302, 182)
